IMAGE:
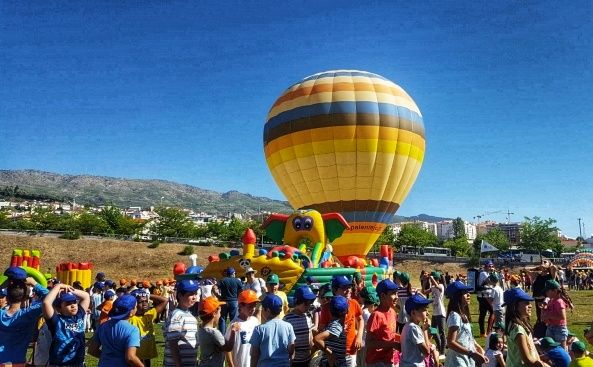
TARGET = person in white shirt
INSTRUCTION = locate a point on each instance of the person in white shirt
(258, 285)
(438, 320)
(240, 355)
(485, 298)
(497, 294)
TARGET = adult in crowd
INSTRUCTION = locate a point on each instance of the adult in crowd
(485, 297)
(229, 288)
(258, 285)
(17, 322)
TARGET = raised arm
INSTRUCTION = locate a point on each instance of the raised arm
(48, 301)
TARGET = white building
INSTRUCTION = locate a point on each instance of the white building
(445, 230)
(427, 226)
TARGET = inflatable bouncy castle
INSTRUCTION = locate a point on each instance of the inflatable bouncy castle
(70, 272)
(29, 260)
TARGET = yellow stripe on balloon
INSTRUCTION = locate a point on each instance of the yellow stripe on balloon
(414, 150)
(306, 186)
(330, 134)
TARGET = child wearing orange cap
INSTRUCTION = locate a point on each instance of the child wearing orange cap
(246, 321)
(212, 342)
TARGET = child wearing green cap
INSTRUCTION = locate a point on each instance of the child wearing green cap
(370, 301)
(273, 287)
(554, 313)
(580, 357)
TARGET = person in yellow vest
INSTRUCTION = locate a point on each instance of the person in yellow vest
(144, 320)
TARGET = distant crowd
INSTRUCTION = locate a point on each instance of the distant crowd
(252, 321)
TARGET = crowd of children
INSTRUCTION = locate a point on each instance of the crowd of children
(250, 323)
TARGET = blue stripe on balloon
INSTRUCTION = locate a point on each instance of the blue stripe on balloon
(347, 107)
(380, 217)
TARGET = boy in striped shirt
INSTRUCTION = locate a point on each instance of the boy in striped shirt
(302, 325)
(332, 341)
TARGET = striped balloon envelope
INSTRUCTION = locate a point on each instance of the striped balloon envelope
(346, 141)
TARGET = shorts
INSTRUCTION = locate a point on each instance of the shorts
(558, 333)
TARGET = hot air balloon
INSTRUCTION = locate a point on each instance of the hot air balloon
(350, 142)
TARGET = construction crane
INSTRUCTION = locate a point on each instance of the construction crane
(480, 216)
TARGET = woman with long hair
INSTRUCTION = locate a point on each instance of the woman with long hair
(521, 349)
(463, 351)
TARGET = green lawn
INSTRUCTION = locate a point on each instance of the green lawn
(578, 320)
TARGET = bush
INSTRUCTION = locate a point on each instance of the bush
(154, 244)
(71, 235)
(187, 250)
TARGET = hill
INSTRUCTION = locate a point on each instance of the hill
(98, 190)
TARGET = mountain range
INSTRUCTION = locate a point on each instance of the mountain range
(123, 192)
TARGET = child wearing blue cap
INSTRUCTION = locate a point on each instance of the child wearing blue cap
(382, 339)
(181, 329)
(521, 350)
(272, 343)
(17, 322)
(354, 324)
(115, 341)
(302, 326)
(463, 351)
(415, 341)
(66, 325)
(332, 341)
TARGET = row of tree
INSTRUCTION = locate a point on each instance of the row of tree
(536, 233)
(172, 223)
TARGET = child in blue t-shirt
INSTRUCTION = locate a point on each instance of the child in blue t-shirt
(272, 343)
(17, 322)
(65, 320)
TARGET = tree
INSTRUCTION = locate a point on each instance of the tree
(495, 237)
(87, 223)
(412, 235)
(44, 219)
(117, 222)
(388, 237)
(539, 234)
(458, 228)
(459, 246)
(172, 222)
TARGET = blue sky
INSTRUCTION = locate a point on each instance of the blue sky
(180, 91)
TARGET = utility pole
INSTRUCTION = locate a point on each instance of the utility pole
(580, 229)
(509, 216)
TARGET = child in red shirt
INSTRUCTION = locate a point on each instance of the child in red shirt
(381, 339)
